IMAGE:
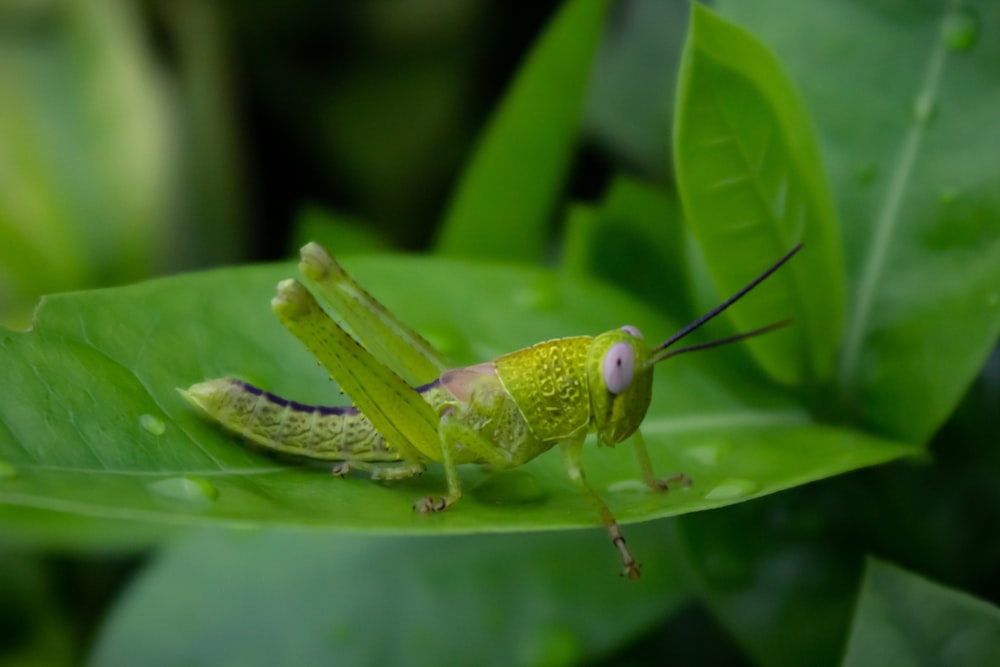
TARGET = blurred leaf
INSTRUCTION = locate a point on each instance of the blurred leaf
(903, 619)
(210, 221)
(86, 156)
(485, 600)
(630, 98)
(502, 205)
(912, 155)
(776, 574)
(339, 233)
(753, 186)
(368, 106)
(634, 240)
(96, 427)
(33, 631)
(795, 559)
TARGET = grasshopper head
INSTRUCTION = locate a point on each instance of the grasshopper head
(620, 377)
(620, 365)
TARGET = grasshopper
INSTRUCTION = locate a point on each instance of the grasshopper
(502, 413)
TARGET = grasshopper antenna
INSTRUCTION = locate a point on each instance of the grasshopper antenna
(721, 307)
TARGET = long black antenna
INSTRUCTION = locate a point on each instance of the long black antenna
(722, 341)
(718, 309)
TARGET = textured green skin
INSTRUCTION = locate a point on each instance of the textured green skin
(523, 403)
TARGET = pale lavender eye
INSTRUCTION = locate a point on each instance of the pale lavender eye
(619, 363)
(632, 331)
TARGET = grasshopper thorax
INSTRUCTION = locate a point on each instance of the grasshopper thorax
(620, 379)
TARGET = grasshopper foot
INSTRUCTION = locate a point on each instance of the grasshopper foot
(631, 569)
(665, 483)
(428, 504)
(340, 469)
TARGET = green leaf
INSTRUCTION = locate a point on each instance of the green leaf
(341, 234)
(634, 240)
(774, 574)
(36, 631)
(85, 138)
(96, 424)
(752, 186)
(903, 619)
(632, 87)
(507, 194)
(484, 600)
(912, 156)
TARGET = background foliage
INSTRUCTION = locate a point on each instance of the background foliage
(560, 168)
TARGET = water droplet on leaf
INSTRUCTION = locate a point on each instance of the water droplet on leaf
(707, 455)
(193, 490)
(732, 488)
(960, 29)
(152, 424)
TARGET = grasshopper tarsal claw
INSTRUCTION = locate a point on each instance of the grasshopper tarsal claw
(671, 481)
(427, 505)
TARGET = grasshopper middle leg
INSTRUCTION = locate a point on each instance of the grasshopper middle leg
(571, 455)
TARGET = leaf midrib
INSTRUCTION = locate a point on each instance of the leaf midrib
(873, 266)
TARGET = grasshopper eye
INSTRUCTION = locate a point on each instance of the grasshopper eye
(619, 363)
(633, 331)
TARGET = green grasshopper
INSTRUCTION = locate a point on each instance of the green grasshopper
(502, 413)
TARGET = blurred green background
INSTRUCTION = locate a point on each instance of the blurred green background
(146, 138)
(143, 138)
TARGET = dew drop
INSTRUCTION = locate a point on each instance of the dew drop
(152, 424)
(706, 455)
(960, 29)
(732, 488)
(193, 490)
(7, 471)
(510, 488)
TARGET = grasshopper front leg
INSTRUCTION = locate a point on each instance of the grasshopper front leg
(571, 450)
(646, 466)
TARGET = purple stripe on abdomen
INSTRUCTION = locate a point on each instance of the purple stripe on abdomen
(295, 405)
